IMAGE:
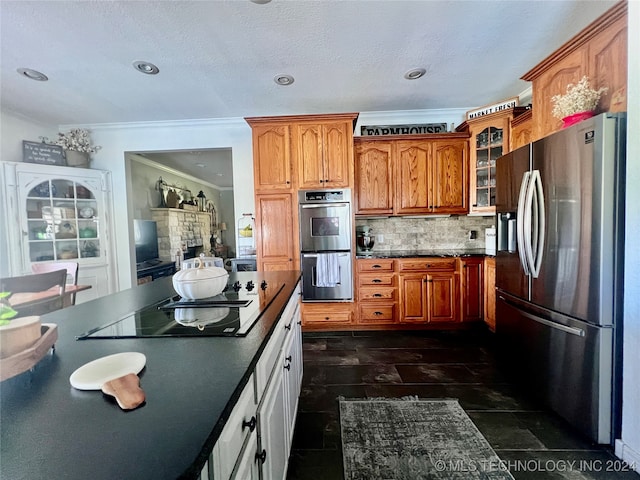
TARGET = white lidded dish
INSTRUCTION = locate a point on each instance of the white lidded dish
(201, 282)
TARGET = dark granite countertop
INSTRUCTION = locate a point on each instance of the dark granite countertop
(423, 253)
(50, 430)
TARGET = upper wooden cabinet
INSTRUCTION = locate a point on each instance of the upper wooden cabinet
(272, 168)
(324, 153)
(490, 139)
(423, 174)
(521, 130)
(374, 178)
(600, 52)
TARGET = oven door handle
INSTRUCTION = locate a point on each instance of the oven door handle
(323, 205)
(315, 255)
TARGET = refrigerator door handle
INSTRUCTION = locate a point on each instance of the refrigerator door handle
(521, 221)
(558, 326)
(536, 181)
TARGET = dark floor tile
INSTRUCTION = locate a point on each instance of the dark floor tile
(308, 432)
(422, 355)
(504, 430)
(315, 465)
(436, 373)
(488, 373)
(350, 374)
(325, 398)
(565, 465)
(331, 357)
(553, 431)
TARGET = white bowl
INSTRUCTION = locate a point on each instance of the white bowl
(201, 282)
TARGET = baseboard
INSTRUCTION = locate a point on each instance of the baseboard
(628, 454)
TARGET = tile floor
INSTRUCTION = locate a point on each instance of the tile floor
(532, 441)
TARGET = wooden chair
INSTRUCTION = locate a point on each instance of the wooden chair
(72, 275)
(34, 284)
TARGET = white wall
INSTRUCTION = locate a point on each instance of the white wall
(117, 139)
(13, 130)
(629, 447)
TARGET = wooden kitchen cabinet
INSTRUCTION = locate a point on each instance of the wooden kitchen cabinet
(323, 152)
(373, 178)
(327, 316)
(521, 130)
(490, 139)
(490, 292)
(472, 277)
(276, 242)
(377, 291)
(423, 174)
(599, 51)
(272, 166)
(429, 290)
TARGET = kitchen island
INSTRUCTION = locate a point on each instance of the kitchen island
(51, 430)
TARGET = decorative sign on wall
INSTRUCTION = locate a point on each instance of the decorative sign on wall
(369, 130)
(43, 153)
(496, 107)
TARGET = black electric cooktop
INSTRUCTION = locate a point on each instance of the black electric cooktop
(230, 314)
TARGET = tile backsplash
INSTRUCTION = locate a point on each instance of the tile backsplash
(413, 233)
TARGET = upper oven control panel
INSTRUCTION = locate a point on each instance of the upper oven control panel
(324, 196)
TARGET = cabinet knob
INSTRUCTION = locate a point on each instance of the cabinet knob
(262, 456)
(289, 358)
(288, 182)
(327, 318)
(287, 367)
(321, 181)
(251, 424)
(287, 327)
(377, 314)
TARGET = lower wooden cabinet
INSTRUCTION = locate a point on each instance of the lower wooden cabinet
(429, 297)
(472, 289)
(490, 292)
(327, 315)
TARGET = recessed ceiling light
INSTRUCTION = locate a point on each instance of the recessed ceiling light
(201, 165)
(145, 67)
(415, 73)
(260, 2)
(283, 79)
(33, 74)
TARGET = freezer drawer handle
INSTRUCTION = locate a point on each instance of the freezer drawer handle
(573, 331)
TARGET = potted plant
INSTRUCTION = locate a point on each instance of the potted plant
(16, 334)
(578, 103)
(77, 145)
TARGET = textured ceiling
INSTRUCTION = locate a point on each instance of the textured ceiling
(217, 59)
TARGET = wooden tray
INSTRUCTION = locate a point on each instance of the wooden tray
(26, 359)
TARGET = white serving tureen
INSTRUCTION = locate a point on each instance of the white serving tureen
(200, 282)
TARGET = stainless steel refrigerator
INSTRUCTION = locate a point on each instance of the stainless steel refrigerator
(559, 270)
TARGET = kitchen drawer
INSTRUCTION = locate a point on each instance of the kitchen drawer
(377, 313)
(367, 294)
(241, 424)
(375, 265)
(383, 279)
(422, 264)
(327, 314)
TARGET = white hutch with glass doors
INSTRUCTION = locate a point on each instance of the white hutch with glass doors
(61, 214)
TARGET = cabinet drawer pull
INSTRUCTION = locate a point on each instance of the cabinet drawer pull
(251, 424)
(287, 367)
(376, 266)
(262, 456)
(377, 295)
(287, 327)
(376, 280)
(377, 313)
(289, 358)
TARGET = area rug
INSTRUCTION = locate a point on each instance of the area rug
(413, 439)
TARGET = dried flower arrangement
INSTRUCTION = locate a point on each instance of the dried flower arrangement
(78, 140)
(579, 98)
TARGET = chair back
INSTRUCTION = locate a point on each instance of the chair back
(72, 275)
(35, 283)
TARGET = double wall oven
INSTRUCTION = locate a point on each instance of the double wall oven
(325, 245)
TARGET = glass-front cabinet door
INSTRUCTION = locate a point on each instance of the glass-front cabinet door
(63, 221)
(488, 145)
(60, 214)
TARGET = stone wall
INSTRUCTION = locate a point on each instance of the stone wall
(418, 233)
(179, 229)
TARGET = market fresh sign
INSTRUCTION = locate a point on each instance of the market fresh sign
(496, 107)
(368, 130)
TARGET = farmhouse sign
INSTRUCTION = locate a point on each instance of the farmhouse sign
(496, 107)
(43, 153)
(368, 130)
